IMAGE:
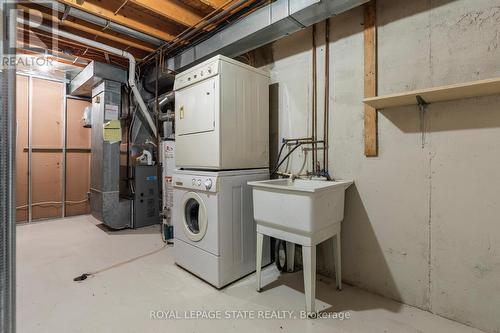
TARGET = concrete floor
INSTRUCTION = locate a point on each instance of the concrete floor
(50, 254)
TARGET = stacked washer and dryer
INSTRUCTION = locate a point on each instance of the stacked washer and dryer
(222, 142)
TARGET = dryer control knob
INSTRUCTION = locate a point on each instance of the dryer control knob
(208, 184)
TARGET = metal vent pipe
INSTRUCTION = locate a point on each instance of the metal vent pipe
(109, 49)
(83, 15)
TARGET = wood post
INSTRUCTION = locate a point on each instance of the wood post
(370, 48)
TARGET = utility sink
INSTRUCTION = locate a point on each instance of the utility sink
(299, 206)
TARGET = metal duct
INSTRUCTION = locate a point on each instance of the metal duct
(7, 173)
(112, 50)
(105, 202)
(83, 15)
(166, 98)
(265, 25)
(165, 81)
(95, 72)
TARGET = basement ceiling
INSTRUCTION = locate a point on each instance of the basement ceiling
(137, 26)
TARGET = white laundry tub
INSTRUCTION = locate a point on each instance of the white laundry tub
(299, 206)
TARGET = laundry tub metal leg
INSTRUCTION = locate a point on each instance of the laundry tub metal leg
(290, 256)
(258, 268)
(309, 263)
(338, 260)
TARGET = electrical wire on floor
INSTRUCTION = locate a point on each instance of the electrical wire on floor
(84, 276)
(53, 203)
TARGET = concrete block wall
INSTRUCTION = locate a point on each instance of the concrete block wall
(422, 225)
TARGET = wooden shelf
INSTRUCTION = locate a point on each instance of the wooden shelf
(437, 94)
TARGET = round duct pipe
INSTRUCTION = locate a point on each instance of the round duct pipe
(165, 81)
(80, 14)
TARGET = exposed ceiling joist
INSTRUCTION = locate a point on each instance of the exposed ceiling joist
(202, 7)
(40, 39)
(32, 36)
(172, 10)
(53, 58)
(213, 3)
(96, 21)
(217, 17)
(31, 47)
(159, 20)
(90, 30)
(156, 28)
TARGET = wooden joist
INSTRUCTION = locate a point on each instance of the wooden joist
(52, 57)
(149, 25)
(172, 10)
(214, 3)
(39, 39)
(87, 28)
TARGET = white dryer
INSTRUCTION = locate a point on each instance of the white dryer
(222, 116)
(214, 230)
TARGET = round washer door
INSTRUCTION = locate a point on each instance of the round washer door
(194, 215)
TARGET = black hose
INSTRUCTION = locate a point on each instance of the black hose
(281, 150)
(285, 158)
(279, 154)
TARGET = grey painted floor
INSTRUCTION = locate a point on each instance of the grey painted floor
(50, 254)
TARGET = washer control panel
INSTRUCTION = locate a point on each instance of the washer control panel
(194, 182)
(196, 74)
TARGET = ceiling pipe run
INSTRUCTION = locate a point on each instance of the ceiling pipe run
(267, 24)
(112, 50)
(83, 15)
(189, 32)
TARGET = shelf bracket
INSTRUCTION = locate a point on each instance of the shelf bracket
(422, 105)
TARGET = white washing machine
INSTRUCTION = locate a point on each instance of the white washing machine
(213, 222)
(222, 116)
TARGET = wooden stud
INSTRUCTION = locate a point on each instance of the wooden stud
(370, 46)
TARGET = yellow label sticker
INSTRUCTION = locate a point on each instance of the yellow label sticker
(112, 131)
(181, 112)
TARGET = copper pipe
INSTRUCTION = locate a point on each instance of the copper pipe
(326, 117)
(297, 139)
(314, 99)
(119, 8)
(193, 29)
(195, 26)
(215, 23)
